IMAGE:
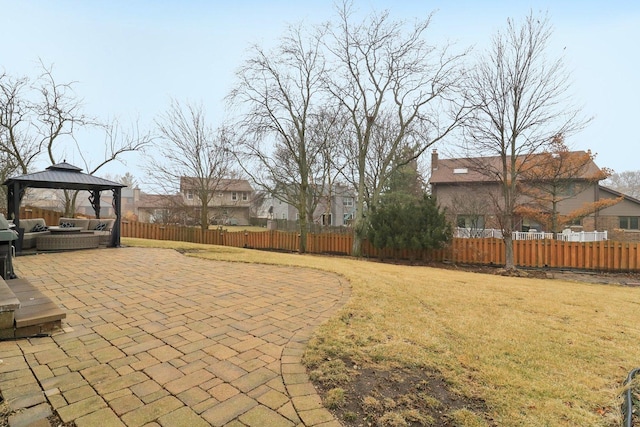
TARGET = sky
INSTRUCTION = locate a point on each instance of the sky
(130, 58)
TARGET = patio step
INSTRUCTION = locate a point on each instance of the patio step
(36, 314)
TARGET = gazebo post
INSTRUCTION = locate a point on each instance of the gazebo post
(94, 199)
(117, 207)
(13, 202)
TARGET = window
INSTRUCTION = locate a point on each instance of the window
(245, 196)
(190, 194)
(347, 201)
(630, 222)
(530, 225)
(234, 196)
(576, 221)
(475, 222)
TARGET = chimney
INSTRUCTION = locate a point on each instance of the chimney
(434, 160)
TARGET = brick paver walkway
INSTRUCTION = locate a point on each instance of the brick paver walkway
(159, 339)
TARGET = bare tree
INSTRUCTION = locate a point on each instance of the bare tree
(282, 93)
(117, 142)
(128, 179)
(190, 157)
(18, 141)
(40, 117)
(391, 82)
(627, 182)
(520, 104)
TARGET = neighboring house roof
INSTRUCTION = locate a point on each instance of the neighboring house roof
(474, 170)
(158, 201)
(187, 183)
(618, 194)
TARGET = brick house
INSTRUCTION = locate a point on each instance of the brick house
(470, 197)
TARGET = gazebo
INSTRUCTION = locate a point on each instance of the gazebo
(67, 177)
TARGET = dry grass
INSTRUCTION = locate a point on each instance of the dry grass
(538, 352)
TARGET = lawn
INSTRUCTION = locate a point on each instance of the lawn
(533, 352)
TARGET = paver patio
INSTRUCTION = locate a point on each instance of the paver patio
(153, 337)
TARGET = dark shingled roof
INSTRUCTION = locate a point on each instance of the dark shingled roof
(64, 175)
(475, 170)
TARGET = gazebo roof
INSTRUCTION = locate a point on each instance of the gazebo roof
(63, 175)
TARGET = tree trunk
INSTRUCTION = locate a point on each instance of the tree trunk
(204, 217)
(302, 210)
(70, 203)
(359, 226)
(508, 252)
(359, 222)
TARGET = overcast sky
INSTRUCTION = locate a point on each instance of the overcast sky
(129, 58)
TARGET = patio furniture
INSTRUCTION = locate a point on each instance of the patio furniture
(67, 241)
(99, 227)
(31, 229)
(68, 230)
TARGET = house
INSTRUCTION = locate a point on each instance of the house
(334, 208)
(159, 208)
(470, 196)
(229, 200)
(129, 203)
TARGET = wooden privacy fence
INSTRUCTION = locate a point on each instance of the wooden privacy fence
(50, 217)
(602, 256)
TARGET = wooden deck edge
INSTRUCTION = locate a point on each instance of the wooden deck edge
(8, 299)
(36, 313)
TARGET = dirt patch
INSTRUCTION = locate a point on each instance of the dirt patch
(400, 397)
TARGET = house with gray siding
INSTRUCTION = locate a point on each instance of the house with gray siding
(470, 197)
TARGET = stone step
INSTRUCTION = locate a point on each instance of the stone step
(36, 313)
(8, 300)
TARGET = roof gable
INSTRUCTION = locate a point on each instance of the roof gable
(479, 169)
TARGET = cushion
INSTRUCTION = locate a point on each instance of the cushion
(95, 222)
(66, 224)
(101, 226)
(28, 224)
(38, 228)
(4, 224)
(83, 223)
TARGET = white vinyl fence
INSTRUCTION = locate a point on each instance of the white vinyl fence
(565, 236)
